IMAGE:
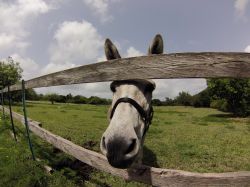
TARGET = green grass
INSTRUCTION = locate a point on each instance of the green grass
(192, 139)
(17, 167)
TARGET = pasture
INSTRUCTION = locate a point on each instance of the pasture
(192, 139)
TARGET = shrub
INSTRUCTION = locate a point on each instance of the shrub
(219, 104)
(236, 93)
(184, 98)
(202, 99)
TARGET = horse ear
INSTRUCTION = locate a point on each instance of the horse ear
(111, 51)
(156, 46)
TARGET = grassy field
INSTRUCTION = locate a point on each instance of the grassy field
(193, 139)
(16, 166)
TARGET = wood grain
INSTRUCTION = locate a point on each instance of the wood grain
(165, 66)
(142, 173)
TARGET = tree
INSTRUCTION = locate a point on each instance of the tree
(235, 92)
(184, 98)
(61, 99)
(52, 97)
(10, 72)
(202, 99)
(78, 99)
(29, 93)
(169, 102)
(69, 98)
(156, 102)
(94, 100)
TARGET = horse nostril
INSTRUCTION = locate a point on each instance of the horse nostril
(131, 146)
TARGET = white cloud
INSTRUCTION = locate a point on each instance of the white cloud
(240, 7)
(79, 43)
(14, 18)
(132, 52)
(164, 88)
(247, 49)
(102, 58)
(6, 40)
(30, 67)
(171, 87)
(51, 67)
(101, 8)
(75, 43)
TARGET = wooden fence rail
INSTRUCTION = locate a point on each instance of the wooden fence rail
(176, 65)
(142, 173)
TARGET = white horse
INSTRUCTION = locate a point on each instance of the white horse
(130, 114)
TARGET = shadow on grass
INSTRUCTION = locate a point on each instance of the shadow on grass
(149, 157)
(170, 112)
(213, 119)
(222, 115)
(70, 167)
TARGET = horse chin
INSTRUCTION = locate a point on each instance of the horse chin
(122, 164)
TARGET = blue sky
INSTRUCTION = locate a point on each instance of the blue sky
(50, 35)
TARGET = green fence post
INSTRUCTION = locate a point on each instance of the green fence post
(2, 104)
(26, 120)
(11, 117)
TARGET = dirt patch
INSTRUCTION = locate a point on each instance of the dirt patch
(55, 150)
(80, 171)
(68, 138)
(73, 168)
(89, 144)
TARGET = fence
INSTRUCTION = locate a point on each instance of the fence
(178, 65)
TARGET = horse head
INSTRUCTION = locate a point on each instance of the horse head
(130, 113)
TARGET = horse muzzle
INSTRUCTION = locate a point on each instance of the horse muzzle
(120, 153)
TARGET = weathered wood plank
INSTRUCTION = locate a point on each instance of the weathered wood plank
(145, 174)
(176, 65)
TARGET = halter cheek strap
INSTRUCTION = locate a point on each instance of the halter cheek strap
(145, 115)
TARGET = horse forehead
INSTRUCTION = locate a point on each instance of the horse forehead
(133, 84)
(129, 90)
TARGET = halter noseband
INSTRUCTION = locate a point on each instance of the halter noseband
(145, 115)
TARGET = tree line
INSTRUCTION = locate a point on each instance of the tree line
(57, 98)
(201, 99)
(229, 95)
